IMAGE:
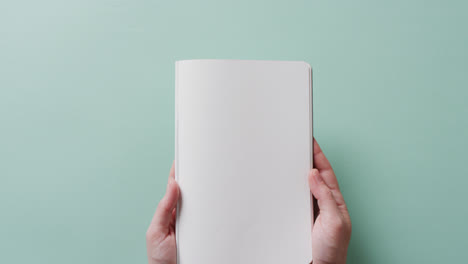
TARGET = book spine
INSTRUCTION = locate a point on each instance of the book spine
(176, 151)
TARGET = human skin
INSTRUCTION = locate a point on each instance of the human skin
(331, 232)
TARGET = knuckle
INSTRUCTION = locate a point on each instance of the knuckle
(327, 193)
(163, 208)
(349, 226)
(339, 225)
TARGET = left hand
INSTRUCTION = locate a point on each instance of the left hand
(160, 237)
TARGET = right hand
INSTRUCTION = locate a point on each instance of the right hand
(331, 232)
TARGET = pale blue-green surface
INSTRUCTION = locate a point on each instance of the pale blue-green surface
(87, 117)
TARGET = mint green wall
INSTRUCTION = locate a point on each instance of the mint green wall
(87, 110)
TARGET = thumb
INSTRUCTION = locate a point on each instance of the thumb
(163, 216)
(322, 193)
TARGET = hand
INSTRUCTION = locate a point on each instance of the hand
(160, 237)
(330, 235)
(332, 228)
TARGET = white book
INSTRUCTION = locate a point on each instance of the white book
(243, 152)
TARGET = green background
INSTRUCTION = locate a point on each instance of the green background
(87, 117)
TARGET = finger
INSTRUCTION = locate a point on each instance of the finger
(323, 165)
(163, 216)
(174, 214)
(172, 172)
(322, 193)
(320, 161)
